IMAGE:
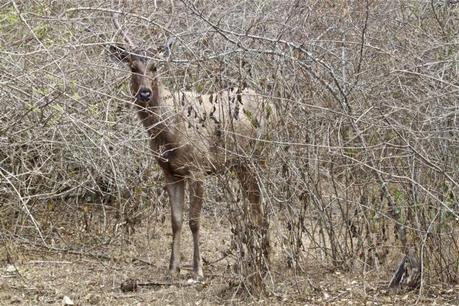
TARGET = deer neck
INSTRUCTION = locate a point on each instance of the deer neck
(152, 118)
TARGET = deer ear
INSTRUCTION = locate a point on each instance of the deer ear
(120, 53)
(166, 49)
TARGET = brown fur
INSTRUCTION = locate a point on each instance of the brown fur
(192, 135)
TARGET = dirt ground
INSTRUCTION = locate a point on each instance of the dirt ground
(95, 268)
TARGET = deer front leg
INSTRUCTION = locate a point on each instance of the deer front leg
(175, 187)
(196, 198)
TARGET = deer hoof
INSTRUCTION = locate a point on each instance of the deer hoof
(198, 276)
(174, 272)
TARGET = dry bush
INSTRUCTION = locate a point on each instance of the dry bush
(362, 165)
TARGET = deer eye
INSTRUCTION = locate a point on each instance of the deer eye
(134, 67)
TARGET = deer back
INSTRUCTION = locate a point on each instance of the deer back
(214, 130)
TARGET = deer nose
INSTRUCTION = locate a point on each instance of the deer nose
(144, 94)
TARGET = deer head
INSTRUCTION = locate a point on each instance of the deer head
(144, 85)
(144, 78)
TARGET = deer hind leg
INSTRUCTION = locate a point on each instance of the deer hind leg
(175, 187)
(251, 191)
(196, 198)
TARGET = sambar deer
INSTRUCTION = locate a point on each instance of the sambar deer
(192, 135)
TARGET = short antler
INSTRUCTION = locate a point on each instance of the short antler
(167, 48)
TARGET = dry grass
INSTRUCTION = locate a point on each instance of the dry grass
(361, 169)
(94, 277)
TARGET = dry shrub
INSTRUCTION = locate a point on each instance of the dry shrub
(361, 166)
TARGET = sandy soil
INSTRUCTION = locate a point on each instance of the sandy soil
(96, 268)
